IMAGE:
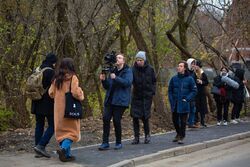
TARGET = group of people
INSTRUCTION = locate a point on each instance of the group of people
(126, 85)
(231, 90)
(52, 105)
(117, 83)
(187, 93)
(118, 93)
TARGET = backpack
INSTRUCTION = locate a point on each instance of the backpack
(34, 86)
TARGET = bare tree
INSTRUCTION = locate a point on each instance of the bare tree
(182, 22)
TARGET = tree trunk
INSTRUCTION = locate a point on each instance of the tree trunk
(159, 104)
(133, 27)
(64, 42)
(183, 25)
(141, 44)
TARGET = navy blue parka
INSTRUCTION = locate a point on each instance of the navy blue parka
(182, 89)
(119, 89)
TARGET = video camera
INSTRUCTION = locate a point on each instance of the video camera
(109, 61)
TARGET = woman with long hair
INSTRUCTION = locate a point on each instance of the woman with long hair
(67, 130)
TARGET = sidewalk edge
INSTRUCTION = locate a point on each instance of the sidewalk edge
(180, 150)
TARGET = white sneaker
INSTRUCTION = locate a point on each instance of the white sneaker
(233, 121)
(239, 120)
(218, 123)
(225, 123)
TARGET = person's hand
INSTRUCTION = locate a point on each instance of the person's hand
(112, 75)
(199, 81)
(102, 77)
(244, 81)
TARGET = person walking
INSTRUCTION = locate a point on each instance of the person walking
(181, 90)
(222, 98)
(44, 109)
(118, 91)
(191, 116)
(144, 83)
(200, 99)
(67, 130)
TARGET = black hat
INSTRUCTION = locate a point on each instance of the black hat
(198, 63)
(51, 57)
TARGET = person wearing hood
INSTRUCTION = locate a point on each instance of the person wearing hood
(237, 96)
(144, 84)
(117, 99)
(200, 99)
(191, 116)
(181, 90)
(44, 109)
(67, 130)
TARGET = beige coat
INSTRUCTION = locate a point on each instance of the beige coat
(65, 127)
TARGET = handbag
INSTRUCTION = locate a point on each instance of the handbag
(73, 107)
(215, 90)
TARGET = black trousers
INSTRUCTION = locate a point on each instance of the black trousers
(179, 121)
(236, 110)
(219, 106)
(116, 112)
(136, 126)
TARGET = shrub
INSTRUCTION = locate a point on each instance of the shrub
(5, 116)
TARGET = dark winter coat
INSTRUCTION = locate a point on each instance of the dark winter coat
(238, 94)
(182, 89)
(222, 85)
(118, 90)
(201, 98)
(45, 106)
(144, 83)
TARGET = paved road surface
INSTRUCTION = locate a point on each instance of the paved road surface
(233, 154)
(90, 156)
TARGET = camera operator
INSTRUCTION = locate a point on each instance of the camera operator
(118, 90)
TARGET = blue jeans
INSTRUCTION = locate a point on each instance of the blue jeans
(191, 115)
(66, 145)
(42, 138)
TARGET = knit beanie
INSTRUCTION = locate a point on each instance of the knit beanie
(51, 57)
(141, 55)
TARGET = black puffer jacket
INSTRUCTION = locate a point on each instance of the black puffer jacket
(238, 94)
(45, 106)
(144, 83)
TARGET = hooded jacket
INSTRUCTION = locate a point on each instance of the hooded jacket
(182, 89)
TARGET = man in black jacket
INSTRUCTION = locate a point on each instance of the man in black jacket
(44, 109)
(144, 83)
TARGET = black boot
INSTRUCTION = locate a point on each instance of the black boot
(147, 139)
(177, 137)
(41, 150)
(136, 140)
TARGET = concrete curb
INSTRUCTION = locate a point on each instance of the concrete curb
(179, 150)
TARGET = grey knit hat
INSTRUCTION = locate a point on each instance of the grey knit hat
(141, 55)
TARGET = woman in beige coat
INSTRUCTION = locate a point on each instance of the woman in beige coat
(67, 130)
